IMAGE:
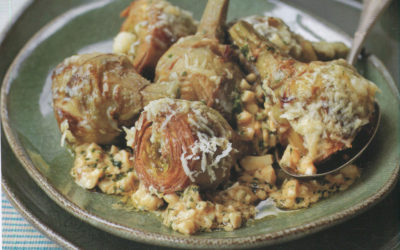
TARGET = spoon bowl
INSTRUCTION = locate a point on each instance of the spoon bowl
(342, 158)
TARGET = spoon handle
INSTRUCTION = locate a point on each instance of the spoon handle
(370, 13)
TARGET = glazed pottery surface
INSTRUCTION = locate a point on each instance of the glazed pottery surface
(33, 134)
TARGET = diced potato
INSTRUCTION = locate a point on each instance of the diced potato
(267, 174)
(244, 85)
(244, 118)
(252, 163)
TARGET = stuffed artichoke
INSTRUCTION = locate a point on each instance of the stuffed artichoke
(94, 95)
(205, 68)
(316, 108)
(150, 28)
(178, 143)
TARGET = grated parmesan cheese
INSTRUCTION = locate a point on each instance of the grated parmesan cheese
(206, 146)
(184, 161)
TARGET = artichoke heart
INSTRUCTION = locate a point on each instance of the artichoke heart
(94, 95)
(178, 143)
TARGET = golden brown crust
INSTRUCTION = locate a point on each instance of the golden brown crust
(316, 108)
(172, 177)
(145, 18)
(178, 143)
(205, 70)
(96, 94)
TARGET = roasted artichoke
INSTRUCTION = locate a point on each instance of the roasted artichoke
(150, 28)
(294, 45)
(179, 142)
(94, 95)
(315, 108)
(204, 67)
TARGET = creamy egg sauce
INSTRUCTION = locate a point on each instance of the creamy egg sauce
(253, 180)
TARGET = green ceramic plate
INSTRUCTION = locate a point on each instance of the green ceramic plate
(33, 134)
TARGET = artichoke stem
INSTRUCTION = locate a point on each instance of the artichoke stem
(256, 48)
(213, 19)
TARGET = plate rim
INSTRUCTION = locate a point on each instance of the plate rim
(178, 241)
(32, 219)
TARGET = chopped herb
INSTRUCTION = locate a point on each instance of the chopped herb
(116, 163)
(119, 176)
(245, 50)
(299, 199)
(259, 117)
(261, 144)
(272, 49)
(184, 73)
(93, 149)
(237, 106)
(254, 187)
(170, 55)
(82, 152)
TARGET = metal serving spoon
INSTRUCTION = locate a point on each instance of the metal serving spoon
(345, 157)
(370, 13)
